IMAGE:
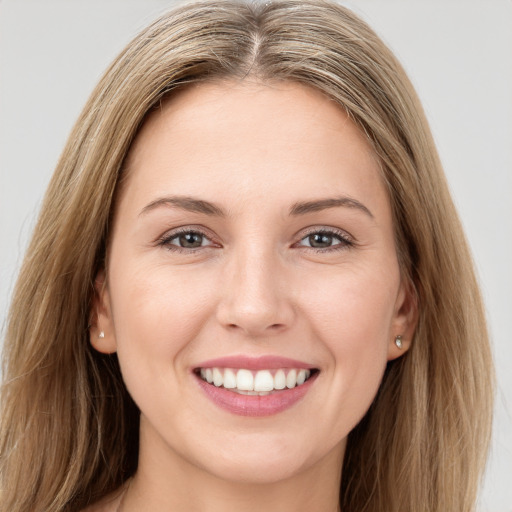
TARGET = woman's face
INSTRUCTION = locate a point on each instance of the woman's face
(252, 244)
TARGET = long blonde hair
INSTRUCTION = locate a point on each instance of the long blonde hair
(69, 431)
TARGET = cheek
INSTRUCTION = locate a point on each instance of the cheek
(352, 315)
(353, 308)
(157, 312)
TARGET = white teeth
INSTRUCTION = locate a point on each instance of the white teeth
(301, 377)
(253, 393)
(249, 382)
(245, 380)
(291, 379)
(229, 379)
(279, 380)
(263, 381)
(218, 378)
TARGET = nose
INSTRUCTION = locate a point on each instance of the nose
(255, 295)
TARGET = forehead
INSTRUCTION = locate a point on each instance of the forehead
(251, 138)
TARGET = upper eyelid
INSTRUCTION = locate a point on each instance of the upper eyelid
(347, 241)
(174, 233)
(326, 229)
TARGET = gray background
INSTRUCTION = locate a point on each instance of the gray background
(458, 53)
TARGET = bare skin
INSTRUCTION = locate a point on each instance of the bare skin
(293, 256)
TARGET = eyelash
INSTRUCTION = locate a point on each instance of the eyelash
(166, 240)
(345, 241)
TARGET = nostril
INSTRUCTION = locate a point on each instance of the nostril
(272, 327)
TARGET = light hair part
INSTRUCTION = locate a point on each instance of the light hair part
(69, 431)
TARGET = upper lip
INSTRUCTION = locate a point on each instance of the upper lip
(267, 362)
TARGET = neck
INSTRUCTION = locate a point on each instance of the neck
(166, 482)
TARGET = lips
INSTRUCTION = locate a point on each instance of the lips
(255, 386)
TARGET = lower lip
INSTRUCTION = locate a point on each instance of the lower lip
(255, 405)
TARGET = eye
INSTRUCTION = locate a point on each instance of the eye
(326, 239)
(189, 240)
(185, 239)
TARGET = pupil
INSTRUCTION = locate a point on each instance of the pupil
(320, 240)
(191, 240)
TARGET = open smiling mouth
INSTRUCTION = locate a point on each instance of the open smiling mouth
(250, 382)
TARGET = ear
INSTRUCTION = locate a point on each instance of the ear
(101, 330)
(404, 322)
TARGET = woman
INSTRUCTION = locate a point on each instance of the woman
(248, 285)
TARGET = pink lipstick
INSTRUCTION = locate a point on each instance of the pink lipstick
(249, 386)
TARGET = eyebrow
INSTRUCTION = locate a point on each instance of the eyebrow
(186, 203)
(207, 208)
(303, 208)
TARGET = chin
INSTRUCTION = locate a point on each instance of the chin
(259, 459)
(255, 469)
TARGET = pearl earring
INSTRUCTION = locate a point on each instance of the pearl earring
(101, 334)
(398, 341)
